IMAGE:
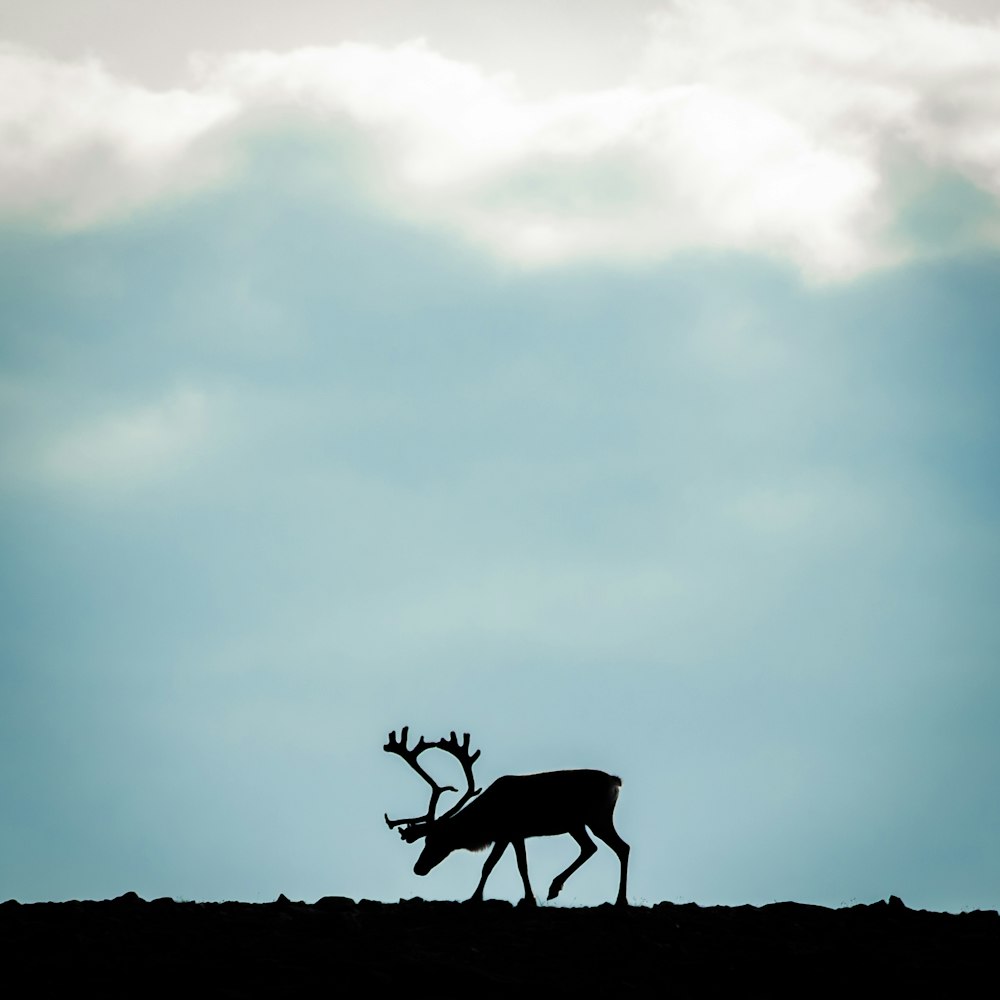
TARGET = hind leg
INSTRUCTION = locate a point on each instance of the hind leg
(587, 850)
(605, 829)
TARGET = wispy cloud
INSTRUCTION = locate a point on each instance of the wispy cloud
(800, 131)
(130, 448)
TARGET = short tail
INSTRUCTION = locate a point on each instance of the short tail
(616, 786)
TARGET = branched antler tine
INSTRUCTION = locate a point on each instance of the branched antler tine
(397, 746)
(460, 751)
(400, 748)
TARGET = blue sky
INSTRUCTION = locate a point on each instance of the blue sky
(636, 412)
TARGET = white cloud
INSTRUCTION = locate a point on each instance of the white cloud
(769, 127)
(79, 144)
(863, 79)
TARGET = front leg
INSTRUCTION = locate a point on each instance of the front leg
(498, 848)
(522, 867)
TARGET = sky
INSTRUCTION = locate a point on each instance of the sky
(613, 382)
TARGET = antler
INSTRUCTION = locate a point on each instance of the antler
(416, 826)
(461, 753)
(400, 748)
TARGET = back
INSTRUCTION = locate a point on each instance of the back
(539, 805)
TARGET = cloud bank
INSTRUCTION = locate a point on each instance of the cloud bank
(806, 132)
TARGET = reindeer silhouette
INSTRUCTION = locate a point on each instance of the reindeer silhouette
(513, 808)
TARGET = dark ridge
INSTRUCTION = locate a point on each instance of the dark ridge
(129, 946)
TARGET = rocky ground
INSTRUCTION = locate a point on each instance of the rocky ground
(129, 946)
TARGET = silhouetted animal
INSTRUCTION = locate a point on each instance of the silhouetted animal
(512, 808)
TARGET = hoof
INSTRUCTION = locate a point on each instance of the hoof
(554, 891)
(529, 902)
